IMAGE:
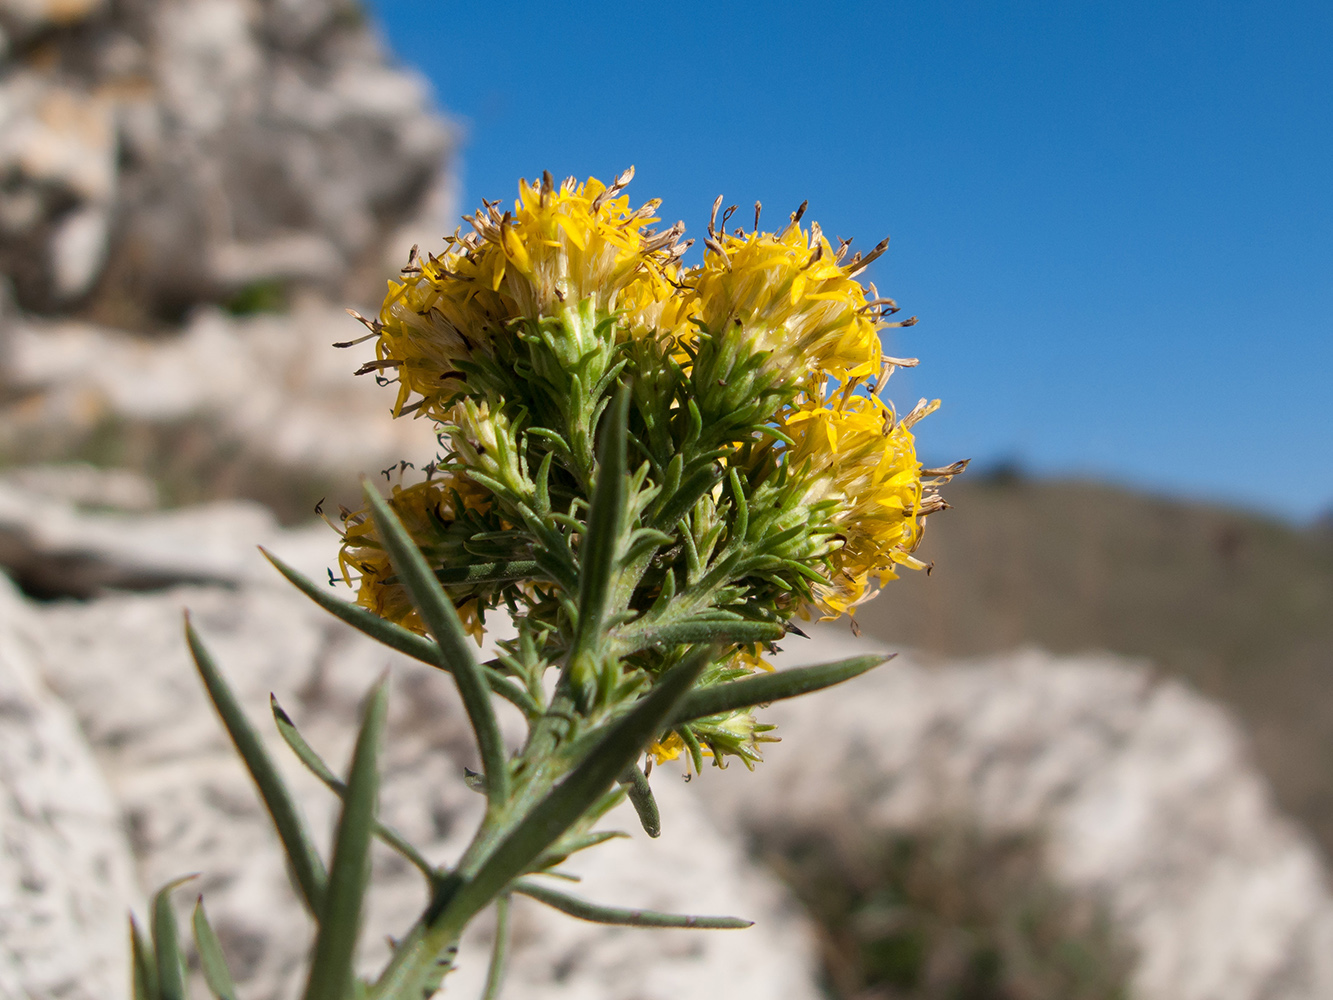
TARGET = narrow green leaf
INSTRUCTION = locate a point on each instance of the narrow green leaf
(565, 804)
(696, 423)
(305, 753)
(670, 483)
(764, 688)
(489, 572)
(211, 961)
(601, 542)
(695, 485)
(457, 900)
(568, 845)
(452, 642)
(543, 483)
(495, 971)
(145, 965)
(801, 569)
(301, 853)
(691, 632)
(340, 920)
(380, 629)
(692, 745)
(772, 542)
(583, 910)
(641, 798)
(614, 371)
(170, 963)
(741, 525)
(394, 636)
(645, 543)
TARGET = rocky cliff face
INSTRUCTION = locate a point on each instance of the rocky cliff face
(155, 154)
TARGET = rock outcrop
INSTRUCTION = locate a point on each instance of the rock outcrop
(120, 663)
(190, 192)
(1141, 792)
(256, 398)
(66, 873)
(155, 154)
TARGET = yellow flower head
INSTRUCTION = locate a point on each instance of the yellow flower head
(791, 293)
(580, 242)
(558, 248)
(857, 453)
(426, 510)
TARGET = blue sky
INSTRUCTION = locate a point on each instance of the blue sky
(1115, 220)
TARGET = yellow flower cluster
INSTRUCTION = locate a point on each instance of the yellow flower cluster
(761, 365)
(789, 298)
(791, 295)
(427, 509)
(856, 452)
(558, 247)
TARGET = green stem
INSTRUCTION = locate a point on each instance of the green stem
(581, 909)
(492, 862)
(495, 971)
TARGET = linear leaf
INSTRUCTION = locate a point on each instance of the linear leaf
(495, 971)
(764, 688)
(741, 525)
(301, 853)
(565, 846)
(601, 543)
(584, 910)
(211, 960)
(691, 742)
(699, 482)
(690, 632)
(145, 966)
(380, 629)
(340, 919)
(455, 655)
(641, 798)
(456, 900)
(394, 636)
(565, 804)
(307, 756)
(489, 572)
(170, 963)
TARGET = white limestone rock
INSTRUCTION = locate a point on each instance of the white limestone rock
(168, 152)
(66, 874)
(121, 663)
(269, 386)
(58, 148)
(1141, 790)
(25, 17)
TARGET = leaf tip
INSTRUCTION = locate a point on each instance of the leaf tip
(279, 712)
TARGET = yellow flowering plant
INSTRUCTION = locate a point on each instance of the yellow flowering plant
(652, 469)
